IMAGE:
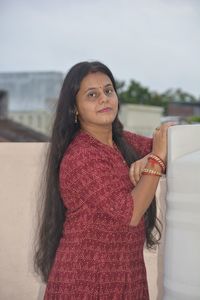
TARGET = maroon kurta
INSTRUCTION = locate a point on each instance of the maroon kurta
(100, 256)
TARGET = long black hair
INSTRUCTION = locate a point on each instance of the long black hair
(52, 212)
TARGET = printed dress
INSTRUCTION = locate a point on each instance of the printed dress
(100, 256)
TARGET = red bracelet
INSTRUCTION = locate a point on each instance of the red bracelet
(157, 160)
(154, 162)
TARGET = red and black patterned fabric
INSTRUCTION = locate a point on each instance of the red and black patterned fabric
(100, 256)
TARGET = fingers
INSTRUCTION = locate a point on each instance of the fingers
(160, 140)
(135, 172)
(136, 168)
(162, 129)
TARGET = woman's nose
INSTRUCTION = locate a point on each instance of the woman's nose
(102, 97)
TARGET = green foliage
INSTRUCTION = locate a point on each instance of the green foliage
(193, 119)
(135, 93)
(120, 86)
(178, 96)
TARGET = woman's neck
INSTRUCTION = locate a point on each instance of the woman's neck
(103, 134)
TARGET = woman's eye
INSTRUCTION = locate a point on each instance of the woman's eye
(109, 91)
(92, 95)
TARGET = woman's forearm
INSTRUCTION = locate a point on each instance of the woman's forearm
(143, 195)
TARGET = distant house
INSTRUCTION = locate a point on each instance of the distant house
(30, 91)
(38, 120)
(11, 131)
(3, 104)
(183, 109)
(32, 97)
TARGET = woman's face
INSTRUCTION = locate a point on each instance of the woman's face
(96, 101)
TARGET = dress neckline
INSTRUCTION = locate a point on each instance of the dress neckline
(99, 143)
(95, 140)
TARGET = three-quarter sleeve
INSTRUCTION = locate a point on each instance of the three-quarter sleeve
(90, 177)
(142, 144)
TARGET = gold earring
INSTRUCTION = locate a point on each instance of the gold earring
(76, 118)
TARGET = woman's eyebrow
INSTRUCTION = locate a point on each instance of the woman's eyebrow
(93, 88)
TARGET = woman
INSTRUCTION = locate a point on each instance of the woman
(99, 206)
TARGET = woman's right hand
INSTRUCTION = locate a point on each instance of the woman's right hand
(160, 140)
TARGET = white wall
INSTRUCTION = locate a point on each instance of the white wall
(19, 180)
(182, 247)
(37, 120)
(20, 164)
(142, 119)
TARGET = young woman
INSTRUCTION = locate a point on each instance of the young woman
(99, 206)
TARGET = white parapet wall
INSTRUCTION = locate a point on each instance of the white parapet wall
(182, 243)
(142, 119)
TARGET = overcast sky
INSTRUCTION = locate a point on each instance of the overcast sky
(156, 42)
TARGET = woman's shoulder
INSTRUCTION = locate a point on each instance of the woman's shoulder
(79, 150)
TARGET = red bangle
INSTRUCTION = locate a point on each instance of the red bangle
(154, 162)
(157, 160)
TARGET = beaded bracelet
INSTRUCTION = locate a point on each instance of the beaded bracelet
(147, 171)
(158, 160)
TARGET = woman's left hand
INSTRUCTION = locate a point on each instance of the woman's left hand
(136, 169)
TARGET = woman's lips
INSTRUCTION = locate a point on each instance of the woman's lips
(106, 109)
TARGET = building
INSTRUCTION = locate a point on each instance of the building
(183, 109)
(3, 104)
(32, 97)
(30, 91)
(11, 131)
(38, 120)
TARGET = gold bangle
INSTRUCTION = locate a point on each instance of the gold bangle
(147, 171)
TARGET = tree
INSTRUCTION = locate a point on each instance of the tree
(135, 93)
(179, 96)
